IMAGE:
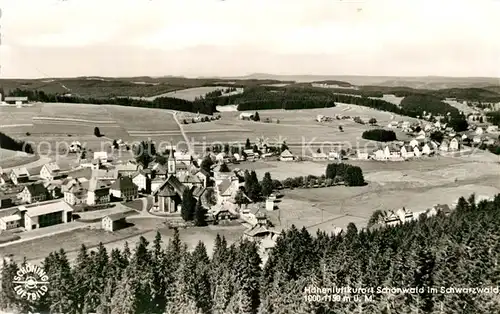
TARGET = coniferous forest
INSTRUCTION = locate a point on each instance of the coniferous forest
(461, 250)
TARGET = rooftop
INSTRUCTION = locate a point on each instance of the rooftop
(118, 216)
(20, 172)
(123, 183)
(36, 189)
(52, 167)
(47, 208)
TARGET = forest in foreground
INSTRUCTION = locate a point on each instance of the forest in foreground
(461, 250)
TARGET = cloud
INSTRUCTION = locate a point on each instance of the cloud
(330, 36)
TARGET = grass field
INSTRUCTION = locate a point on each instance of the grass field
(296, 126)
(36, 250)
(46, 125)
(192, 93)
(416, 185)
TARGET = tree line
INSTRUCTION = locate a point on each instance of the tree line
(459, 250)
(379, 135)
(7, 142)
(200, 105)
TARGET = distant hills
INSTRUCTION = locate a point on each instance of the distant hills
(417, 82)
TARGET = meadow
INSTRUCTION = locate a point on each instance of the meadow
(416, 185)
(193, 93)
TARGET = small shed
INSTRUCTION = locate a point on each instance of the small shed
(114, 222)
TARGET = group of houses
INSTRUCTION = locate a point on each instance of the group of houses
(403, 215)
(414, 149)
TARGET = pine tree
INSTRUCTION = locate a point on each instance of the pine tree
(188, 205)
(200, 213)
(267, 185)
(256, 117)
(97, 132)
(207, 163)
(248, 145)
(82, 275)
(61, 284)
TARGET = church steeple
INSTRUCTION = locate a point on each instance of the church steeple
(171, 163)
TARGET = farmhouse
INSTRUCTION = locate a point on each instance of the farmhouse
(33, 193)
(98, 192)
(16, 100)
(401, 215)
(286, 155)
(319, 157)
(50, 171)
(114, 222)
(19, 175)
(75, 191)
(246, 116)
(48, 214)
(124, 188)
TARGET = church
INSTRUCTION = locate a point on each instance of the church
(168, 196)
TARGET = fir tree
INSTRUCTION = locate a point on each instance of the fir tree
(200, 213)
(188, 205)
(267, 184)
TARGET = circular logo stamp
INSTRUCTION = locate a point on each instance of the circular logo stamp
(31, 282)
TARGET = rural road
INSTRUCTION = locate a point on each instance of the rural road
(35, 164)
(186, 139)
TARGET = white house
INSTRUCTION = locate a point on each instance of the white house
(444, 147)
(428, 127)
(380, 155)
(102, 156)
(426, 150)
(407, 152)
(464, 137)
(476, 139)
(479, 131)
(19, 175)
(50, 171)
(416, 151)
(414, 143)
(141, 180)
(75, 147)
(286, 155)
(454, 145)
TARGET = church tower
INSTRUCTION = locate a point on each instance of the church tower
(171, 163)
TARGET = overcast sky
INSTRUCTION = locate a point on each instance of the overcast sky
(49, 38)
